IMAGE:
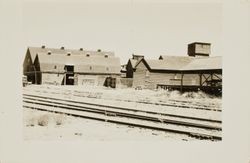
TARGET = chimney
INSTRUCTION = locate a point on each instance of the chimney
(68, 53)
(99, 50)
(49, 52)
(81, 49)
(137, 57)
(199, 49)
(43, 46)
(62, 48)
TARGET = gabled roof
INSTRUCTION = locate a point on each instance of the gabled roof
(54, 60)
(180, 63)
(82, 64)
(170, 62)
(167, 57)
(133, 62)
(38, 50)
(204, 63)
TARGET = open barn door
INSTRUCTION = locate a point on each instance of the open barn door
(69, 75)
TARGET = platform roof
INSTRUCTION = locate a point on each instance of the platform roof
(184, 63)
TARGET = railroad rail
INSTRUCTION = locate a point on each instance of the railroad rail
(192, 126)
(170, 102)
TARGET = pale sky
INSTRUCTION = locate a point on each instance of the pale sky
(150, 29)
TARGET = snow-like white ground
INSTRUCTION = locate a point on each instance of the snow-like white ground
(128, 94)
(73, 128)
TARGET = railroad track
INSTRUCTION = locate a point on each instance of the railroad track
(192, 126)
(178, 104)
(170, 102)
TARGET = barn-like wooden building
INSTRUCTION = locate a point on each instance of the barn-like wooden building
(70, 67)
(197, 71)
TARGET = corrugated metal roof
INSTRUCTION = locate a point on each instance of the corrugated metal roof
(36, 50)
(185, 63)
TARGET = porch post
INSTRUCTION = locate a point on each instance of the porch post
(200, 79)
(182, 82)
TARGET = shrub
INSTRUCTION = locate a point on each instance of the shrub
(43, 120)
(31, 122)
(59, 119)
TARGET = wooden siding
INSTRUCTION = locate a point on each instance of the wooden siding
(202, 49)
(29, 68)
(191, 79)
(125, 82)
(89, 80)
(52, 78)
(139, 76)
(160, 78)
(27, 64)
(130, 70)
(86, 80)
(146, 79)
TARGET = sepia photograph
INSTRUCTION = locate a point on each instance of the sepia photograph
(125, 89)
(169, 97)
(124, 81)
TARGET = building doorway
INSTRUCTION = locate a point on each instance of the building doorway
(110, 82)
(69, 75)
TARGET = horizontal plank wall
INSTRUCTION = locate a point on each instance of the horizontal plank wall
(139, 76)
(52, 78)
(146, 79)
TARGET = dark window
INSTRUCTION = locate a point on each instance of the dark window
(69, 68)
(90, 67)
(55, 67)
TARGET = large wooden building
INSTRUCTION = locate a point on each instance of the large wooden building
(197, 71)
(70, 67)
